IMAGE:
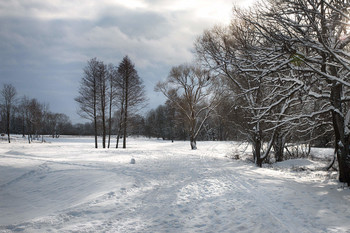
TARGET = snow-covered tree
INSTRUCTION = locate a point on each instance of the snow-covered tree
(312, 38)
(241, 54)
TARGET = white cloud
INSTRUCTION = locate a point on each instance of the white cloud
(131, 4)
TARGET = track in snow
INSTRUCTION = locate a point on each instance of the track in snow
(169, 189)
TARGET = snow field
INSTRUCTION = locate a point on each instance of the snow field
(66, 185)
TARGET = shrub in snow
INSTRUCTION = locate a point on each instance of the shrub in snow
(132, 161)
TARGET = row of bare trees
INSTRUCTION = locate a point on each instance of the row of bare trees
(287, 64)
(106, 90)
(28, 116)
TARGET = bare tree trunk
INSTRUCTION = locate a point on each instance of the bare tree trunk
(333, 160)
(193, 143)
(119, 132)
(95, 111)
(95, 129)
(8, 126)
(23, 127)
(126, 109)
(29, 130)
(257, 151)
(125, 130)
(278, 147)
(29, 137)
(192, 128)
(110, 113)
(109, 124)
(102, 81)
(103, 130)
(118, 136)
(111, 99)
(341, 139)
(120, 123)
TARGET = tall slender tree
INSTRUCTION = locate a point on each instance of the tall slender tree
(120, 85)
(102, 98)
(132, 92)
(88, 94)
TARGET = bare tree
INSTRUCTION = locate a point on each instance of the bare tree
(51, 122)
(55, 123)
(63, 124)
(132, 93)
(119, 83)
(8, 94)
(44, 118)
(189, 89)
(88, 94)
(33, 113)
(22, 110)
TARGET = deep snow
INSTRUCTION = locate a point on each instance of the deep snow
(65, 185)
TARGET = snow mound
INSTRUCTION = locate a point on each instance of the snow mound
(293, 164)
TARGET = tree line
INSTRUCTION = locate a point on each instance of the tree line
(32, 119)
(27, 116)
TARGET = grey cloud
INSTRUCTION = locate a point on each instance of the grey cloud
(135, 23)
(44, 57)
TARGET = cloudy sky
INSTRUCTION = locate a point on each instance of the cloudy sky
(45, 44)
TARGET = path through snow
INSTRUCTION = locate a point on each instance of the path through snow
(67, 186)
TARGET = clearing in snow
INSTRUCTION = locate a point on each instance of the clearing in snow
(68, 186)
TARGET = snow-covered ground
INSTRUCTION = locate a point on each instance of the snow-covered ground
(65, 185)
